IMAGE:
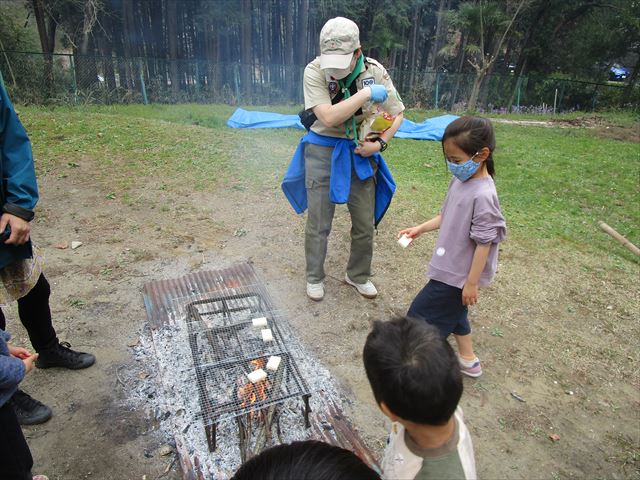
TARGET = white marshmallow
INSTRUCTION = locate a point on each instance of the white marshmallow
(267, 336)
(259, 322)
(405, 240)
(273, 363)
(257, 375)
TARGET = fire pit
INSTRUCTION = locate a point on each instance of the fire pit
(225, 384)
(231, 349)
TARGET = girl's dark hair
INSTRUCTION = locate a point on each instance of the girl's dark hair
(472, 134)
(311, 460)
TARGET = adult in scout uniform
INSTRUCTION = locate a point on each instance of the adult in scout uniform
(21, 276)
(343, 90)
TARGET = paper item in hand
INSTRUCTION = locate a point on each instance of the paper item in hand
(405, 240)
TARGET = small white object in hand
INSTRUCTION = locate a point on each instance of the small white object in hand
(257, 375)
(267, 336)
(260, 322)
(273, 363)
(405, 240)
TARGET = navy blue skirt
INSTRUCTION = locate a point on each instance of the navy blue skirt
(441, 305)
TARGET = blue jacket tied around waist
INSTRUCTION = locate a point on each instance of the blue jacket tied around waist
(293, 184)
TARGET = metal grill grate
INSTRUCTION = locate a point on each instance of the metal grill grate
(226, 346)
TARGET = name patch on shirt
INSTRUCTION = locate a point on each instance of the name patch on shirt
(367, 82)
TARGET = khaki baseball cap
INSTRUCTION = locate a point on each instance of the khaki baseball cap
(339, 38)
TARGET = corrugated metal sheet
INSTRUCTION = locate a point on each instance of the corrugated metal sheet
(160, 295)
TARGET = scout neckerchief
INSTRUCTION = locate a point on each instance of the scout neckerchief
(344, 85)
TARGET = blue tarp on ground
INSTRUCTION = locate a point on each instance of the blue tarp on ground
(248, 119)
(430, 129)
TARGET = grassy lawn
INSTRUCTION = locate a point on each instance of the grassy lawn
(555, 184)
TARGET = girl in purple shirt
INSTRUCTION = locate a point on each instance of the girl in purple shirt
(471, 226)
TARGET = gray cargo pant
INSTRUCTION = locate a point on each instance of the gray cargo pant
(361, 204)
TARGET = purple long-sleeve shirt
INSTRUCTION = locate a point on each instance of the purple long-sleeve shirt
(470, 216)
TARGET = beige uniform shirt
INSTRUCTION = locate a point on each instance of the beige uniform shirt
(320, 89)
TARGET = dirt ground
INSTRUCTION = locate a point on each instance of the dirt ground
(558, 328)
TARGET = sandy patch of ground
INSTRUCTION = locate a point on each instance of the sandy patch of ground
(600, 126)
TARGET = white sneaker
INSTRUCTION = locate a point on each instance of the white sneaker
(367, 290)
(315, 291)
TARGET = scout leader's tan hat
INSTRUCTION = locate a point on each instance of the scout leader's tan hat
(339, 38)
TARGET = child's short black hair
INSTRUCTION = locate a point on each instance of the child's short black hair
(413, 370)
(311, 460)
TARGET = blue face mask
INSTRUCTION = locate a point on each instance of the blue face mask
(464, 171)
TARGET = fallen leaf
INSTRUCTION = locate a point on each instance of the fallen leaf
(61, 246)
(554, 437)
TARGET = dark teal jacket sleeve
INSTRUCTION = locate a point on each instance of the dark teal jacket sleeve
(19, 187)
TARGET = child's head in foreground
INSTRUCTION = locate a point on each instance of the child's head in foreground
(470, 138)
(311, 460)
(413, 371)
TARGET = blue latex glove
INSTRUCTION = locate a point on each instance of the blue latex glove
(378, 93)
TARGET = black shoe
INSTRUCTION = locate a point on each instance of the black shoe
(29, 410)
(60, 355)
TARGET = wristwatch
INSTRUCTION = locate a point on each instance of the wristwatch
(383, 144)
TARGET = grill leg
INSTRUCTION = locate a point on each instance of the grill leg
(210, 431)
(307, 409)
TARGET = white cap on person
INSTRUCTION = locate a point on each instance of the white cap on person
(339, 38)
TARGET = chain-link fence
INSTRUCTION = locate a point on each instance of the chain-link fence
(73, 79)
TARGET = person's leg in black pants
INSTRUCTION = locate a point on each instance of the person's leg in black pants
(35, 315)
(15, 457)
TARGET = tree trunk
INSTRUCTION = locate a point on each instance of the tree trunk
(477, 83)
(105, 45)
(440, 35)
(460, 75)
(628, 89)
(47, 33)
(289, 47)
(518, 84)
(246, 63)
(413, 46)
(266, 40)
(172, 41)
(303, 29)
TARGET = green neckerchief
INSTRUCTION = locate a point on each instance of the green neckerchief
(344, 85)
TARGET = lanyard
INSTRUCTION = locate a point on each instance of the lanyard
(344, 85)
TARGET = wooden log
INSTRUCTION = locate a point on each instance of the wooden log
(626, 243)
